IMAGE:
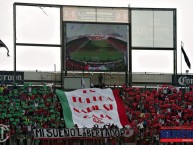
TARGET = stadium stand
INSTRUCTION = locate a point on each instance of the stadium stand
(75, 44)
(119, 44)
(26, 107)
(149, 110)
(95, 63)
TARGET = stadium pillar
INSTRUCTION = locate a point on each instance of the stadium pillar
(130, 55)
(14, 41)
(126, 76)
(62, 33)
(175, 48)
(55, 74)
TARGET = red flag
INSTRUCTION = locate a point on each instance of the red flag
(121, 108)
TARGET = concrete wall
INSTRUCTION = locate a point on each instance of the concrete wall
(108, 78)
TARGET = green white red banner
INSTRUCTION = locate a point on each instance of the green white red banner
(92, 106)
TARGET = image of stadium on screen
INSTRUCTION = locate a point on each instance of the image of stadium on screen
(96, 47)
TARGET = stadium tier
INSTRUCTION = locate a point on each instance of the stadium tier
(96, 53)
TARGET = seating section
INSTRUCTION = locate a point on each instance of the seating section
(23, 108)
(119, 44)
(27, 107)
(149, 109)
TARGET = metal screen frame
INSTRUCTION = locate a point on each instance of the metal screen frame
(62, 44)
(174, 49)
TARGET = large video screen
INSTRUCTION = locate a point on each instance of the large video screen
(96, 47)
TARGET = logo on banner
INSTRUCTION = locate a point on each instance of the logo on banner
(184, 80)
(4, 133)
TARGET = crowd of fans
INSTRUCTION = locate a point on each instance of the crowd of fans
(150, 109)
(25, 107)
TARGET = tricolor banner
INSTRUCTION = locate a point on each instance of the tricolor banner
(92, 106)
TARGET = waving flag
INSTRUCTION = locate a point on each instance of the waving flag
(186, 57)
(3, 45)
(83, 85)
(92, 106)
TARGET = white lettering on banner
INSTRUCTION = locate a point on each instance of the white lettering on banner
(79, 132)
(184, 80)
(93, 106)
(11, 77)
(8, 76)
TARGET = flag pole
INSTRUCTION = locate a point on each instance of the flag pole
(181, 56)
(181, 59)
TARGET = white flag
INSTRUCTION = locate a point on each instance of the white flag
(83, 83)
